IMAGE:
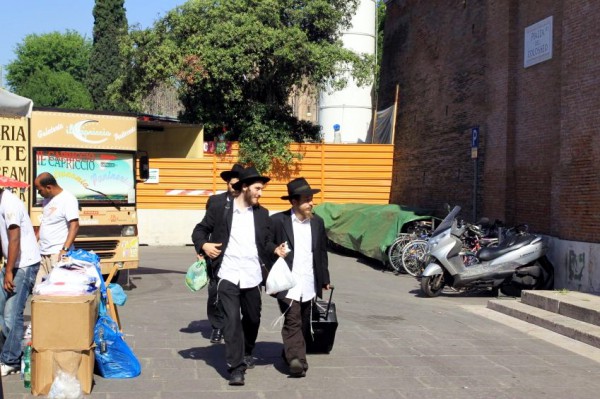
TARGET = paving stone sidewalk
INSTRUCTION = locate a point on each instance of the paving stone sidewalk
(391, 343)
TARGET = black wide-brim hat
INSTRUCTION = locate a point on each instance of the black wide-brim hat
(234, 172)
(249, 176)
(299, 186)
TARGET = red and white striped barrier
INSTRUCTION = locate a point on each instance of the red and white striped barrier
(192, 192)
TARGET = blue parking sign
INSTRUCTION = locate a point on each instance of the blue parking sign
(475, 137)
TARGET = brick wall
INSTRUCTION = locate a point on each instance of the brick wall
(577, 174)
(535, 104)
(460, 64)
(438, 55)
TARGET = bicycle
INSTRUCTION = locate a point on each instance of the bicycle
(419, 230)
(395, 251)
(413, 257)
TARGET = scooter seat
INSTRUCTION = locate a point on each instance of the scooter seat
(516, 242)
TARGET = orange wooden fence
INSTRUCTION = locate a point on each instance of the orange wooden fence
(345, 173)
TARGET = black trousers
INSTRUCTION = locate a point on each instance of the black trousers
(296, 329)
(242, 308)
(214, 310)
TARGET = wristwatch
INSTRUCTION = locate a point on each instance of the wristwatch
(65, 249)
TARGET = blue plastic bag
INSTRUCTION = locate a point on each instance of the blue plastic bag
(84, 255)
(114, 358)
(118, 295)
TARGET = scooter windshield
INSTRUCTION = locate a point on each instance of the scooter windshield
(447, 222)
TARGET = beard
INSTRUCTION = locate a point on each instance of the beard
(307, 213)
(249, 199)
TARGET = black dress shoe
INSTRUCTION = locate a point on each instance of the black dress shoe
(297, 368)
(216, 335)
(237, 377)
(249, 360)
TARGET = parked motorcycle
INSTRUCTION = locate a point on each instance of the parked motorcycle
(517, 263)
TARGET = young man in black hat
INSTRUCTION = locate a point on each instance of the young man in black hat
(220, 201)
(304, 233)
(239, 241)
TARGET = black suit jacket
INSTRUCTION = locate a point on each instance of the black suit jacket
(216, 228)
(283, 231)
(218, 200)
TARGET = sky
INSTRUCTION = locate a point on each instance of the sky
(18, 18)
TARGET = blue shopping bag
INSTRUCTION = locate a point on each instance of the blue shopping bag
(114, 358)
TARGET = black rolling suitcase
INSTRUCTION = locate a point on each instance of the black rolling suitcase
(324, 325)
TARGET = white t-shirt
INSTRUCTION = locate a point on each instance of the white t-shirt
(54, 227)
(12, 212)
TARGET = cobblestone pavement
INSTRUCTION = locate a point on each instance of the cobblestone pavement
(391, 343)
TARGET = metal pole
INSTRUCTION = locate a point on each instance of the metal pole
(475, 179)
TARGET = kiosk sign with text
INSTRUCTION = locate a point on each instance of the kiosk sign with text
(94, 177)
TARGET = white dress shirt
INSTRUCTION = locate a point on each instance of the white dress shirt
(241, 264)
(302, 267)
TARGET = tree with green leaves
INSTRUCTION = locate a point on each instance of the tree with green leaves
(381, 9)
(235, 64)
(52, 62)
(107, 60)
(57, 90)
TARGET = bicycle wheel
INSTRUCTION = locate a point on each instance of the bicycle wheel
(395, 251)
(413, 257)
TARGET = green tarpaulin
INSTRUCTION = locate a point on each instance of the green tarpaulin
(368, 229)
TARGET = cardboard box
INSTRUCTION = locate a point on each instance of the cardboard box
(45, 365)
(63, 322)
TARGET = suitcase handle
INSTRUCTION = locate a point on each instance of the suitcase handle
(331, 288)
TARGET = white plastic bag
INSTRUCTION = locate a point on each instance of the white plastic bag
(65, 386)
(280, 278)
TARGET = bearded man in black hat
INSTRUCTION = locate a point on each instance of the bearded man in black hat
(303, 233)
(219, 201)
(239, 242)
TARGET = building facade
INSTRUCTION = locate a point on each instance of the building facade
(521, 74)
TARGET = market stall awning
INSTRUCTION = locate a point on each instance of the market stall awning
(9, 182)
(13, 105)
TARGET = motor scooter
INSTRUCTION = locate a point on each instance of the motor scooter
(517, 263)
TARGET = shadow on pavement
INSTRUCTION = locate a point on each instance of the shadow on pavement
(449, 293)
(266, 353)
(213, 356)
(356, 256)
(198, 326)
(151, 270)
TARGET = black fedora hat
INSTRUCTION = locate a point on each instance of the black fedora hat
(299, 186)
(248, 176)
(234, 172)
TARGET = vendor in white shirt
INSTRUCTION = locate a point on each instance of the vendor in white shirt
(59, 224)
(22, 257)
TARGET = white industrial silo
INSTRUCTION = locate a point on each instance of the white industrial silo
(350, 108)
